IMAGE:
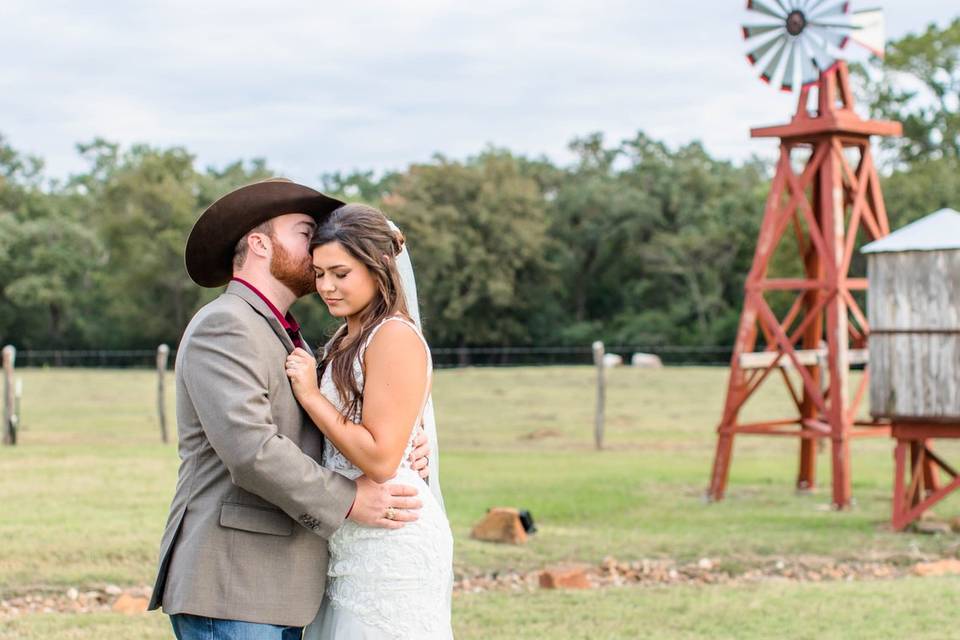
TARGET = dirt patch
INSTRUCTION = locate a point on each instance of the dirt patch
(540, 434)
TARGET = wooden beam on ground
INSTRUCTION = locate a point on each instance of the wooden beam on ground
(806, 357)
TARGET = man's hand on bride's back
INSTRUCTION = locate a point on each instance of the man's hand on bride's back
(389, 506)
(420, 456)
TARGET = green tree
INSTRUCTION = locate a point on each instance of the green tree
(596, 221)
(631, 243)
(655, 242)
(47, 256)
(359, 186)
(142, 203)
(477, 230)
(919, 86)
(47, 264)
(922, 188)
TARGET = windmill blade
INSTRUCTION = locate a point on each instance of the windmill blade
(809, 73)
(821, 56)
(870, 30)
(790, 71)
(814, 5)
(754, 30)
(826, 12)
(771, 68)
(826, 24)
(764, 6)
(762, 50)
(783, 7)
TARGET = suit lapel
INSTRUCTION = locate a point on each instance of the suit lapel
(255, 301)
(306, 346)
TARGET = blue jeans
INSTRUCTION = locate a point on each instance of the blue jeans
(190, 627)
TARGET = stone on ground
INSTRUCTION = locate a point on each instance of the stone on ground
(129, 604)
(932, 527)
(947, 567)
(565, 577)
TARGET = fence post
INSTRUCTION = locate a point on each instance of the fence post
(9, 401)
(598, 353)
(17, 397)
(163, 352)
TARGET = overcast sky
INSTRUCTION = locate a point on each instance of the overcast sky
(316, 87)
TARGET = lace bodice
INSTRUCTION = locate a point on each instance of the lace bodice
(332, 458)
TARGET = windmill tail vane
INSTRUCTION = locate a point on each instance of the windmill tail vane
(794, 41)
(870, 32)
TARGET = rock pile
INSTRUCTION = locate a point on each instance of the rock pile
(665, 571)
(95, 599)
(609, 573)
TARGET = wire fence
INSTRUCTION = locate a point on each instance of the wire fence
(675, 355)
(99, 358)
(443, 357)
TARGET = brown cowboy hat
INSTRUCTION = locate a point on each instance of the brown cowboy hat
(209, 252)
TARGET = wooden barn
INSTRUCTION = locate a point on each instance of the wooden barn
(914, 315)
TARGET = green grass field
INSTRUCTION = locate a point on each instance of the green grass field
(83, 501)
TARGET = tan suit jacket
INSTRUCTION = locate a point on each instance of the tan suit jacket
(246, 538)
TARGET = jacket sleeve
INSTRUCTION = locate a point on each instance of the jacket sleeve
(229, 388)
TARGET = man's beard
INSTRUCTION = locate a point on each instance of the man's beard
(295, 275)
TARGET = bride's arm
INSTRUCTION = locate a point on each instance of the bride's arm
(394, 387)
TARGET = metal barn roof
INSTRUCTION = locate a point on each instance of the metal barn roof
(937, 231)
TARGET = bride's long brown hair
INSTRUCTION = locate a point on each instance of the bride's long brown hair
(363, 231)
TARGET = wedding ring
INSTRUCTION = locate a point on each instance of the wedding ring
(391, 513)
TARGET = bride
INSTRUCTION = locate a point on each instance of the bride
(373, 391)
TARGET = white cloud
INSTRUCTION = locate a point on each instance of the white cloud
(318, 87)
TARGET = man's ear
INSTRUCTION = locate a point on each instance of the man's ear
(260, 244)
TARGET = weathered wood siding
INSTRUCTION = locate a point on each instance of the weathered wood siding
(914, 311)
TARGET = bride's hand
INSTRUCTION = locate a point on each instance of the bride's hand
(302, 370)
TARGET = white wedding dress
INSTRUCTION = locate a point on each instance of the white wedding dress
(386, 583)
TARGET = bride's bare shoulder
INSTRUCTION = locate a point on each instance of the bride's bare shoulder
(396, 337)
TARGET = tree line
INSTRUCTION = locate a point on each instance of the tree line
(633, 242)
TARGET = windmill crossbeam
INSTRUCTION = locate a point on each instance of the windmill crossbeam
(849, 124)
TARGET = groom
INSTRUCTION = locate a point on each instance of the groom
(244, 553)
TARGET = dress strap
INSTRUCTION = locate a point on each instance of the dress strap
(326, 347)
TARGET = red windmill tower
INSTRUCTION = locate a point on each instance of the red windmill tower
(825, 192)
